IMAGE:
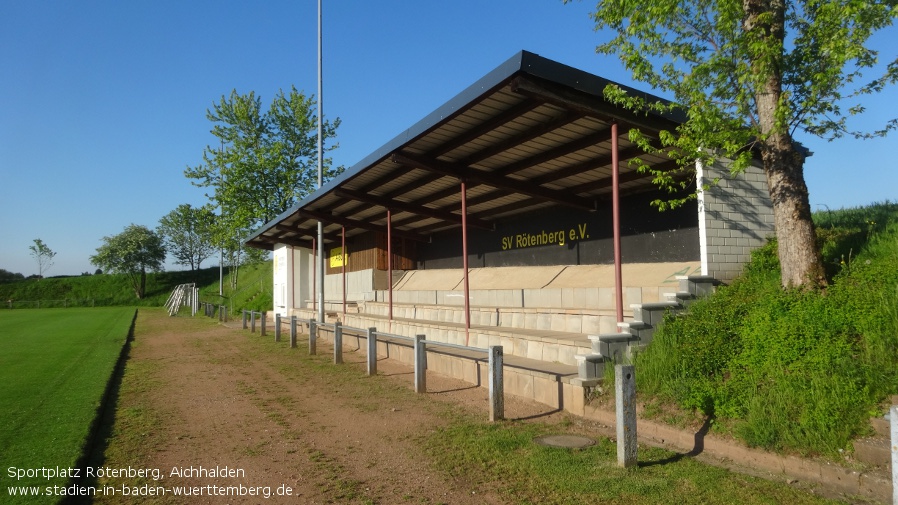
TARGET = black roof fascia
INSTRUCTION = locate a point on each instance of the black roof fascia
(522, 62)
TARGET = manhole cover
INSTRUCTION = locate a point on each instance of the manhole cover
(566, 441)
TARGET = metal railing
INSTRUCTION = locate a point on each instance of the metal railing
(251, 315)
(213, 309)
(418, 343)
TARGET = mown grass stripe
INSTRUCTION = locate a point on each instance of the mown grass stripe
(54, 368)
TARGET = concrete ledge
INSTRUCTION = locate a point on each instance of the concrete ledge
(843, 480)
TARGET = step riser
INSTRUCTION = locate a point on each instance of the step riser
(538, 348)
(646, 319)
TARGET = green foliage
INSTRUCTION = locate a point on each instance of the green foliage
(253, 292)
(187, 232)
(718, 60)
(43, 255)
(745, 76)
(266, 160)
(101, 290)
(132, 252)
(790, 369)
(7, 276)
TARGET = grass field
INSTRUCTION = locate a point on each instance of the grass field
(54, 368)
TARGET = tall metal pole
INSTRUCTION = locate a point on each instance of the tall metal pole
(320, 262)
(221, 214)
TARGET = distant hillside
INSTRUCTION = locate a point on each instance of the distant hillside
(252, 292)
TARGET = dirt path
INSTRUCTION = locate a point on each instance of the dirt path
(196, 394)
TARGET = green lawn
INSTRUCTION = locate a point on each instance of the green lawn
(54, 367)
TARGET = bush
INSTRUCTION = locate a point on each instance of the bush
(790, 369)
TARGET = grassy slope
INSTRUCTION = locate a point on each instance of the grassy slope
(54, 367)
(787, 369)
(253, 290)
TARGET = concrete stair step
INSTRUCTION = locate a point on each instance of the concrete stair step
(653, 313)
(680, 297)
(881, 427)
(590, 366)
(873, 451)
(698, 285)
(612, 346)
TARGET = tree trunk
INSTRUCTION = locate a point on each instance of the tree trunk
(799, 256)
(796, 238)
(142, 289)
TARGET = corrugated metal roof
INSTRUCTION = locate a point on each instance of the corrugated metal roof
(531, 134)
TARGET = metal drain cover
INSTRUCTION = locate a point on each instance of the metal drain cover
(565, 441)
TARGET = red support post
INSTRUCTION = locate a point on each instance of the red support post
(615, 197)
(390, 260)
(464, 247)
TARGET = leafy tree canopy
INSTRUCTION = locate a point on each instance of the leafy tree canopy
(43, 255)
(266, 161)
(188, 234)
(133, 252)
(748, 75)
(7, 276)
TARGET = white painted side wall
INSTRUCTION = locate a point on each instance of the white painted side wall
(282, 270)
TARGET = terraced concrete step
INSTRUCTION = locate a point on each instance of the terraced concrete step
(612, 345)
(873, 451)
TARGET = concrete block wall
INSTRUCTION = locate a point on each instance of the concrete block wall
(735, 217)
(544, 347)
(360, 285)
(550, 298)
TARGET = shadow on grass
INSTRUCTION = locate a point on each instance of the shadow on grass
(697, 448)
(100, 432)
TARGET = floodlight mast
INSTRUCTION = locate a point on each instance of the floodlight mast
(320, 265)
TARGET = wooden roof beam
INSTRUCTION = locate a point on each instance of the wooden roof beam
(585, 142)
(412, 208)
(487, 126)
(589, 105)
(566, 118)
(352, 223)
(499, 182)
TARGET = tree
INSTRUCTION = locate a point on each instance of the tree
(6, 276)
(266, 161)
(132, 252)
(43, 255)
(749, 74)
(188, 234)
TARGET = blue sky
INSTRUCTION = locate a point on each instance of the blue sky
(104, 101)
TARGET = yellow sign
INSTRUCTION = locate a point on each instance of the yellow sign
(336, 257)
